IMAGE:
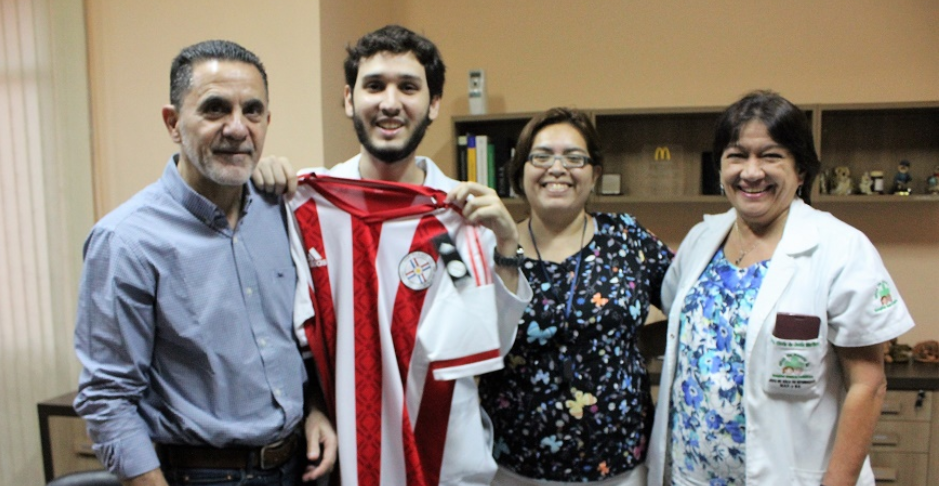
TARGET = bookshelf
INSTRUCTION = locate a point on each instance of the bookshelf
(501, 133)
(877, 137)
(862, 137)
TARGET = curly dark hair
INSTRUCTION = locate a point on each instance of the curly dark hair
(397, 40)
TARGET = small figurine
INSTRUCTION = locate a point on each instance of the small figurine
(864, 184)
(901, 353)
(877, 182)
(842, 183)
(902, 180)
(897, 353)
(932, 181)
(926, 351)
(822, 181)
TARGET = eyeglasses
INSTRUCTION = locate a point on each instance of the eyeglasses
(545, 160)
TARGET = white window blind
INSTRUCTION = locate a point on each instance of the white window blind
(42, 210)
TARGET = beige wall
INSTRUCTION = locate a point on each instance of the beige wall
(599, 54)
(130, 47)
(342, 22)
(627, 54)
(621, 54)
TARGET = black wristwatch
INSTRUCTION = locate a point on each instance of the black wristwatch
(514, 261)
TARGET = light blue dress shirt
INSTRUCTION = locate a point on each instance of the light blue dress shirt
(184, 326)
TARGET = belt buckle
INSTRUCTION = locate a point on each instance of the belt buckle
(276, 456)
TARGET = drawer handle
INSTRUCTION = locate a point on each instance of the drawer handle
(885, 474)
(891, 408)
(885, 439)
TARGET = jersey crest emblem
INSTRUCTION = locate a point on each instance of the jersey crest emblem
(416, 270)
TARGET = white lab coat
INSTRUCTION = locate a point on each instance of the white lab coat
(822, 267)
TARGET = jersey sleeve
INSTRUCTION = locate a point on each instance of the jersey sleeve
(303, 304)
(511, 306)
(474, 322)
(464, 340)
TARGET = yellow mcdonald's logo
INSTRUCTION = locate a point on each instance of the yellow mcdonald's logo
(662, 153)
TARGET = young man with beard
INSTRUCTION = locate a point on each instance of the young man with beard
(394, 84)
(184, 326)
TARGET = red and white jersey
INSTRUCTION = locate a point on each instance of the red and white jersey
(400, 311)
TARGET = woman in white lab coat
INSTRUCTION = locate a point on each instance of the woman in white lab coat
(773, 373)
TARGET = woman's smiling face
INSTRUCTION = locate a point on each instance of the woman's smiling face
(557, 187)
(759, 175)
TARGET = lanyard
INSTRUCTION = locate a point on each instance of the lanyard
(577, 267)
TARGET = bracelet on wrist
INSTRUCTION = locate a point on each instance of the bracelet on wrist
(514, 261)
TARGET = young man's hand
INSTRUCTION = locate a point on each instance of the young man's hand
(275, 175)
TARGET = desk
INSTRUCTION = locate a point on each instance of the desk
(904, 445)
(65, 444)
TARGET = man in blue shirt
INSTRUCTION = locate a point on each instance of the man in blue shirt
(184, 326)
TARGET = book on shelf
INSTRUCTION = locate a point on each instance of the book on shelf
(502, 154)
(510, 192)
(485, 159)
(491, 174)
(483, 163)
(504, 150)
(471, 158)
(462, 158)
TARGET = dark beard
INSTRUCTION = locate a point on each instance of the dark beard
(391, 155)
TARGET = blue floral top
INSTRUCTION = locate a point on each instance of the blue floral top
(707, 421)
(573, 402)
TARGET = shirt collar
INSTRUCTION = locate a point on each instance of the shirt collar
(200, 207)
(350, 168)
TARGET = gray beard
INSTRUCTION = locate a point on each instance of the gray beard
(391, 155)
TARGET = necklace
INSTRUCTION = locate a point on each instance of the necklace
(744, 252)
(577, 267)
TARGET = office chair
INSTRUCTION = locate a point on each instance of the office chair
(86, 478)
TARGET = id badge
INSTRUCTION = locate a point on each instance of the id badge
(796, 354)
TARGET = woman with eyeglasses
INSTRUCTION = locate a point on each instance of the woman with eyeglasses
(572, 404)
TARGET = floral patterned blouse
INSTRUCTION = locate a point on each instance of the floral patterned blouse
(707, 421)
(573, 401)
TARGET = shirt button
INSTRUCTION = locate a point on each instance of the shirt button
(262, 342)
(248, 291)
(277, 392)
(235, 240)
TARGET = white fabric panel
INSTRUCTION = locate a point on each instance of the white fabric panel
(39, 252)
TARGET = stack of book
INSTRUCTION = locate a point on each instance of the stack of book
(485, 159)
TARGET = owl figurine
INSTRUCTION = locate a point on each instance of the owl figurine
(842, 181)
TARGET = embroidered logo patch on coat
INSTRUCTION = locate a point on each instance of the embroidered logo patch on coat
(883, 296)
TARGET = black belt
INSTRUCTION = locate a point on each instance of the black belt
(270, 456)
